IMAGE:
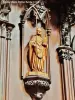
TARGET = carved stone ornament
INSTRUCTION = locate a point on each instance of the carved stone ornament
(36, 86)
(6, 28)
(64, 52)
(4, 11)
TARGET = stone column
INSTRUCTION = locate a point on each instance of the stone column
(9, 28)
(5, 26)
(48, 54)
(3, 59)
(65, 54)
(21, 28)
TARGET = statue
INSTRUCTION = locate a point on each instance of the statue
(38, 45)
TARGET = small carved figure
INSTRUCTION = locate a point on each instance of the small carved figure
(38, 50)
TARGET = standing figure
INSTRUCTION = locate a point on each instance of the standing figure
(38, 45)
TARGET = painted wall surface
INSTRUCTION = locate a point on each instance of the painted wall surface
(16, 91)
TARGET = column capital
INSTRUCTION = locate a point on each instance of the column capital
(22, 16)
(9, 28)
(65, 52)
(2, 30)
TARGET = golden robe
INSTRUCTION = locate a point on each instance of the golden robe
(37, 52)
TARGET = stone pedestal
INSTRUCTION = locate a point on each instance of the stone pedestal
(36, 85)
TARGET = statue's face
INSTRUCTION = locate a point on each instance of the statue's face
(39, 31)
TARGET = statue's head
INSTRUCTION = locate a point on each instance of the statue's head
(39, 31)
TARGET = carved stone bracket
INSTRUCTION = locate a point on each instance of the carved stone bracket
(36, 86)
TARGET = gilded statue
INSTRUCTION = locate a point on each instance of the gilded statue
(38, 45)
